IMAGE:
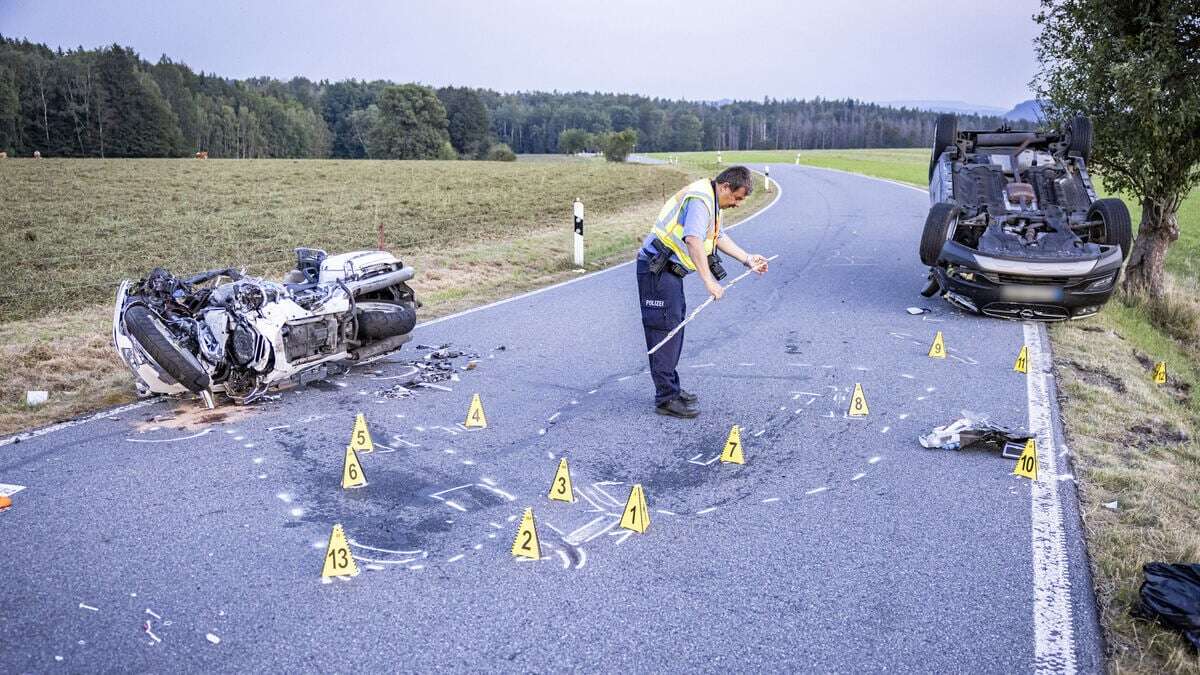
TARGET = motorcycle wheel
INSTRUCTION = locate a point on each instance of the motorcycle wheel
(145, 327)
(380, 320)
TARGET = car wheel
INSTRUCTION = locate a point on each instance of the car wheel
(945, 132)
(1118, 230)
(145, 327)
(939, 228)
(1080, 134)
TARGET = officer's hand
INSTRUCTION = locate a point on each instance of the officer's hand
(757, 263)
(714, 289)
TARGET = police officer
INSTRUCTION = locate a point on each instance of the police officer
(684, 240)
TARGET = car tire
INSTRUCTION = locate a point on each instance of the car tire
(1118, 229)
(1080, 137)
(381, 320)
(937, 230)
(145, 327)
(945, 132)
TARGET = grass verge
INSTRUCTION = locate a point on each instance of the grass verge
(475, 231)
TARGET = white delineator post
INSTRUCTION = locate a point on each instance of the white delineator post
(718, 157)
(578, 233)
(767, 182)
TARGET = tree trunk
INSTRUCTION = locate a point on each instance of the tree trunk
(1145, 273)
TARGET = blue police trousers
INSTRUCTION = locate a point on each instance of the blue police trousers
(663, 307)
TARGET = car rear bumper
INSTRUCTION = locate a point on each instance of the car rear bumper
(1026, 289)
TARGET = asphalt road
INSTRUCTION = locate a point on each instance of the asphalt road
(840, 546)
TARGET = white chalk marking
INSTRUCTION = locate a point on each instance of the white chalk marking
(874, 460)
(554, 417)
(456, 558)
(151, 613)
(498, 491)
(375, 568)
(284, 497)
(384, 562)
(88, 607)
(169, 440)
(768, 500)
(665, 512)
(593, 391)
(704, 511)
(1054, 638)
(816, 490)
(902, 416)
(622, 379)
(354, 543)
(703, 365)
(760, 432)
(621, 536)
(9, 489)
(281, 426)
(885, 430)
(437, 495)
(455, 505)
(858, 476)
(907, 376)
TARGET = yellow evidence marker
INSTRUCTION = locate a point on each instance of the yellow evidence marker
(338, 560)
(352, 473)
(1022, 364)
(732, 454)
(1027, 463)
(360, 438)
(637, 514)
(938, 349)
(1160, 372)
(561, 489)
(475, 416)
(526, 544)
(858, 402)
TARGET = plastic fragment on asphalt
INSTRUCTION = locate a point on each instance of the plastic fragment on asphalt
(915, 311)
(213, 639)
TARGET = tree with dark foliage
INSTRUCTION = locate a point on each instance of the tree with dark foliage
(1134, 69)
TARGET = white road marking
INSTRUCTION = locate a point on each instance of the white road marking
(74, 423)
(1053, 629)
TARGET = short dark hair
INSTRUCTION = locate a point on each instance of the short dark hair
(736, 177)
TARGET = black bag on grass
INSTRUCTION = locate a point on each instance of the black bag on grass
(1171, 595)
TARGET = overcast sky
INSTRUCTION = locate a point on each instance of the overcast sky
(879, 50)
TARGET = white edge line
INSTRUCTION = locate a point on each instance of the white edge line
(1054, 637)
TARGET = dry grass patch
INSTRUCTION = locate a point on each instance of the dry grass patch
(1135, 443)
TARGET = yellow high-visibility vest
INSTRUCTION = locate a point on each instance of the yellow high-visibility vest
(669, 230)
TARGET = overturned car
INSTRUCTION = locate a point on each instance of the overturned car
(223, 331)
(1015, 229)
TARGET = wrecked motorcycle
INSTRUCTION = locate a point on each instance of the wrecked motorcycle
(246, 334)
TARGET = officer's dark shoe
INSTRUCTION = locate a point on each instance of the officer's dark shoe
(676, 408)
(688, 397)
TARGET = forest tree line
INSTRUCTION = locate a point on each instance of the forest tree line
(109, 102)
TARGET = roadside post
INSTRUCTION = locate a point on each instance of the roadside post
(797, 158)
(767, 181)
(578, 233)
(718, 157)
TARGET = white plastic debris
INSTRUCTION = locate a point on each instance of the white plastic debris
(213, 639)
(917, 310)
(34, 398)
(1113, 505)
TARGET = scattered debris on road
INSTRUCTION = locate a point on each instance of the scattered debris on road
(213, 639)
(972, 430)
(1170, 594)
(916, 311)
(5, 503)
